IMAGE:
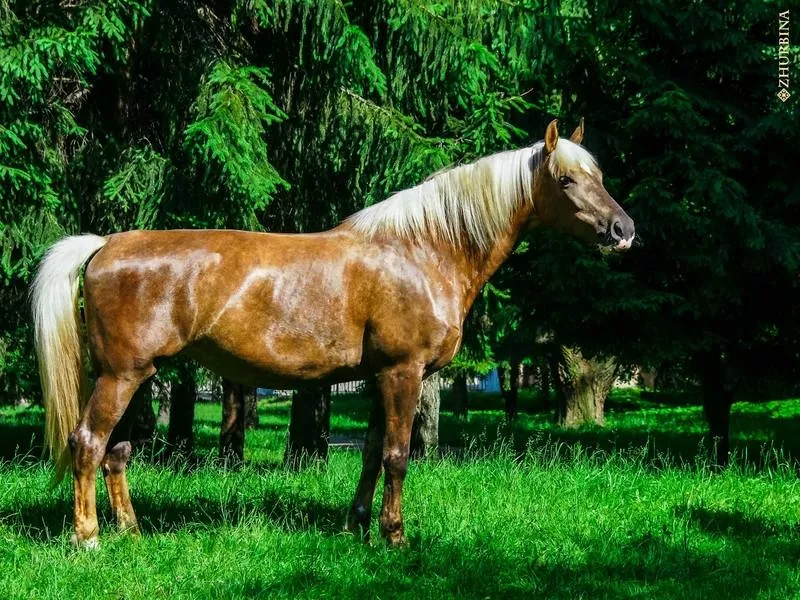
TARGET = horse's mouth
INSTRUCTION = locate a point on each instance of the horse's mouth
(621, 246)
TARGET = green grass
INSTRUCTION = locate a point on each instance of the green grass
(529, 511)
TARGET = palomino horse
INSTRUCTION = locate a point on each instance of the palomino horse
(384, 293)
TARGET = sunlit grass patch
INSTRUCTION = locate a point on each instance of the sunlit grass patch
(511, 511)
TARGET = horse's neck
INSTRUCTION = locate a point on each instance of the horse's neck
(478, 269)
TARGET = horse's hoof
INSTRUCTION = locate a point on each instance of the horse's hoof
(362, 533)
(358, 522)
(395, 539)
(397, 542)
(129, 528)
(358, 530)
(91, 543)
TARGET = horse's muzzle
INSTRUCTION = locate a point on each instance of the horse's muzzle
(621, 233)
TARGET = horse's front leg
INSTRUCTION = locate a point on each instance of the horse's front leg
(399, 388)
(360, 515)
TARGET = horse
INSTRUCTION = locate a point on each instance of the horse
(384, 294)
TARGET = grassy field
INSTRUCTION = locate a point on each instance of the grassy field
(631, 510)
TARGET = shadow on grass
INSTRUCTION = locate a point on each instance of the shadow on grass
(646, 565)
(50, 515)
(290, 514)
(43, 519)
(21, 442)
(737, 524)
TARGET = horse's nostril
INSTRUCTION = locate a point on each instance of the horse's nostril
(616, 230)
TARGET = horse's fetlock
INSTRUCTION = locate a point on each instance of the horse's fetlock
(391, 525)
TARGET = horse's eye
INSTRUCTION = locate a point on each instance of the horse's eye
(565, 181)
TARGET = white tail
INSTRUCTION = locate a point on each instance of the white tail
(59, 344)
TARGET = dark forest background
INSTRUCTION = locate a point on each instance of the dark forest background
(290, 115)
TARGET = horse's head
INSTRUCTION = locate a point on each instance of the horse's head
(569, 194)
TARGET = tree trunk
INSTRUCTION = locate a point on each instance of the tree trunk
(309, 427)
(231, 437)
(717, 402)
(460, 396)
(143, 427)
(183, 395)
(528, 376)
(425, 430)
(250, 407)
(164, 393)
(583, 386)
(509, 388)
(648, 376)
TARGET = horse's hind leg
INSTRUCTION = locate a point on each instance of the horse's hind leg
(118, 451)
(88, 444)
(360, 515)
(119, 496)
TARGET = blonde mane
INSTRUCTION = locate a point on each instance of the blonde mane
(469, 204)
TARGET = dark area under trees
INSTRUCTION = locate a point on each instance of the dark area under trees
(289, 116)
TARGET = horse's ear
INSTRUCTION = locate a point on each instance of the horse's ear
(577, 135)
(551, 136)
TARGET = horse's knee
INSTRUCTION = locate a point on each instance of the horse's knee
(86, 447)
(116, 458)
(395, 461)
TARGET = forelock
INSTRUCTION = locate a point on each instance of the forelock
(570, 156)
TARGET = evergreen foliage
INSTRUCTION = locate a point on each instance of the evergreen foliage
(290, 115)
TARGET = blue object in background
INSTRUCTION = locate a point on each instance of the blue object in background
(491, 383)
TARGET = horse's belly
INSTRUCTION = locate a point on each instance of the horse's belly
(280, 357)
